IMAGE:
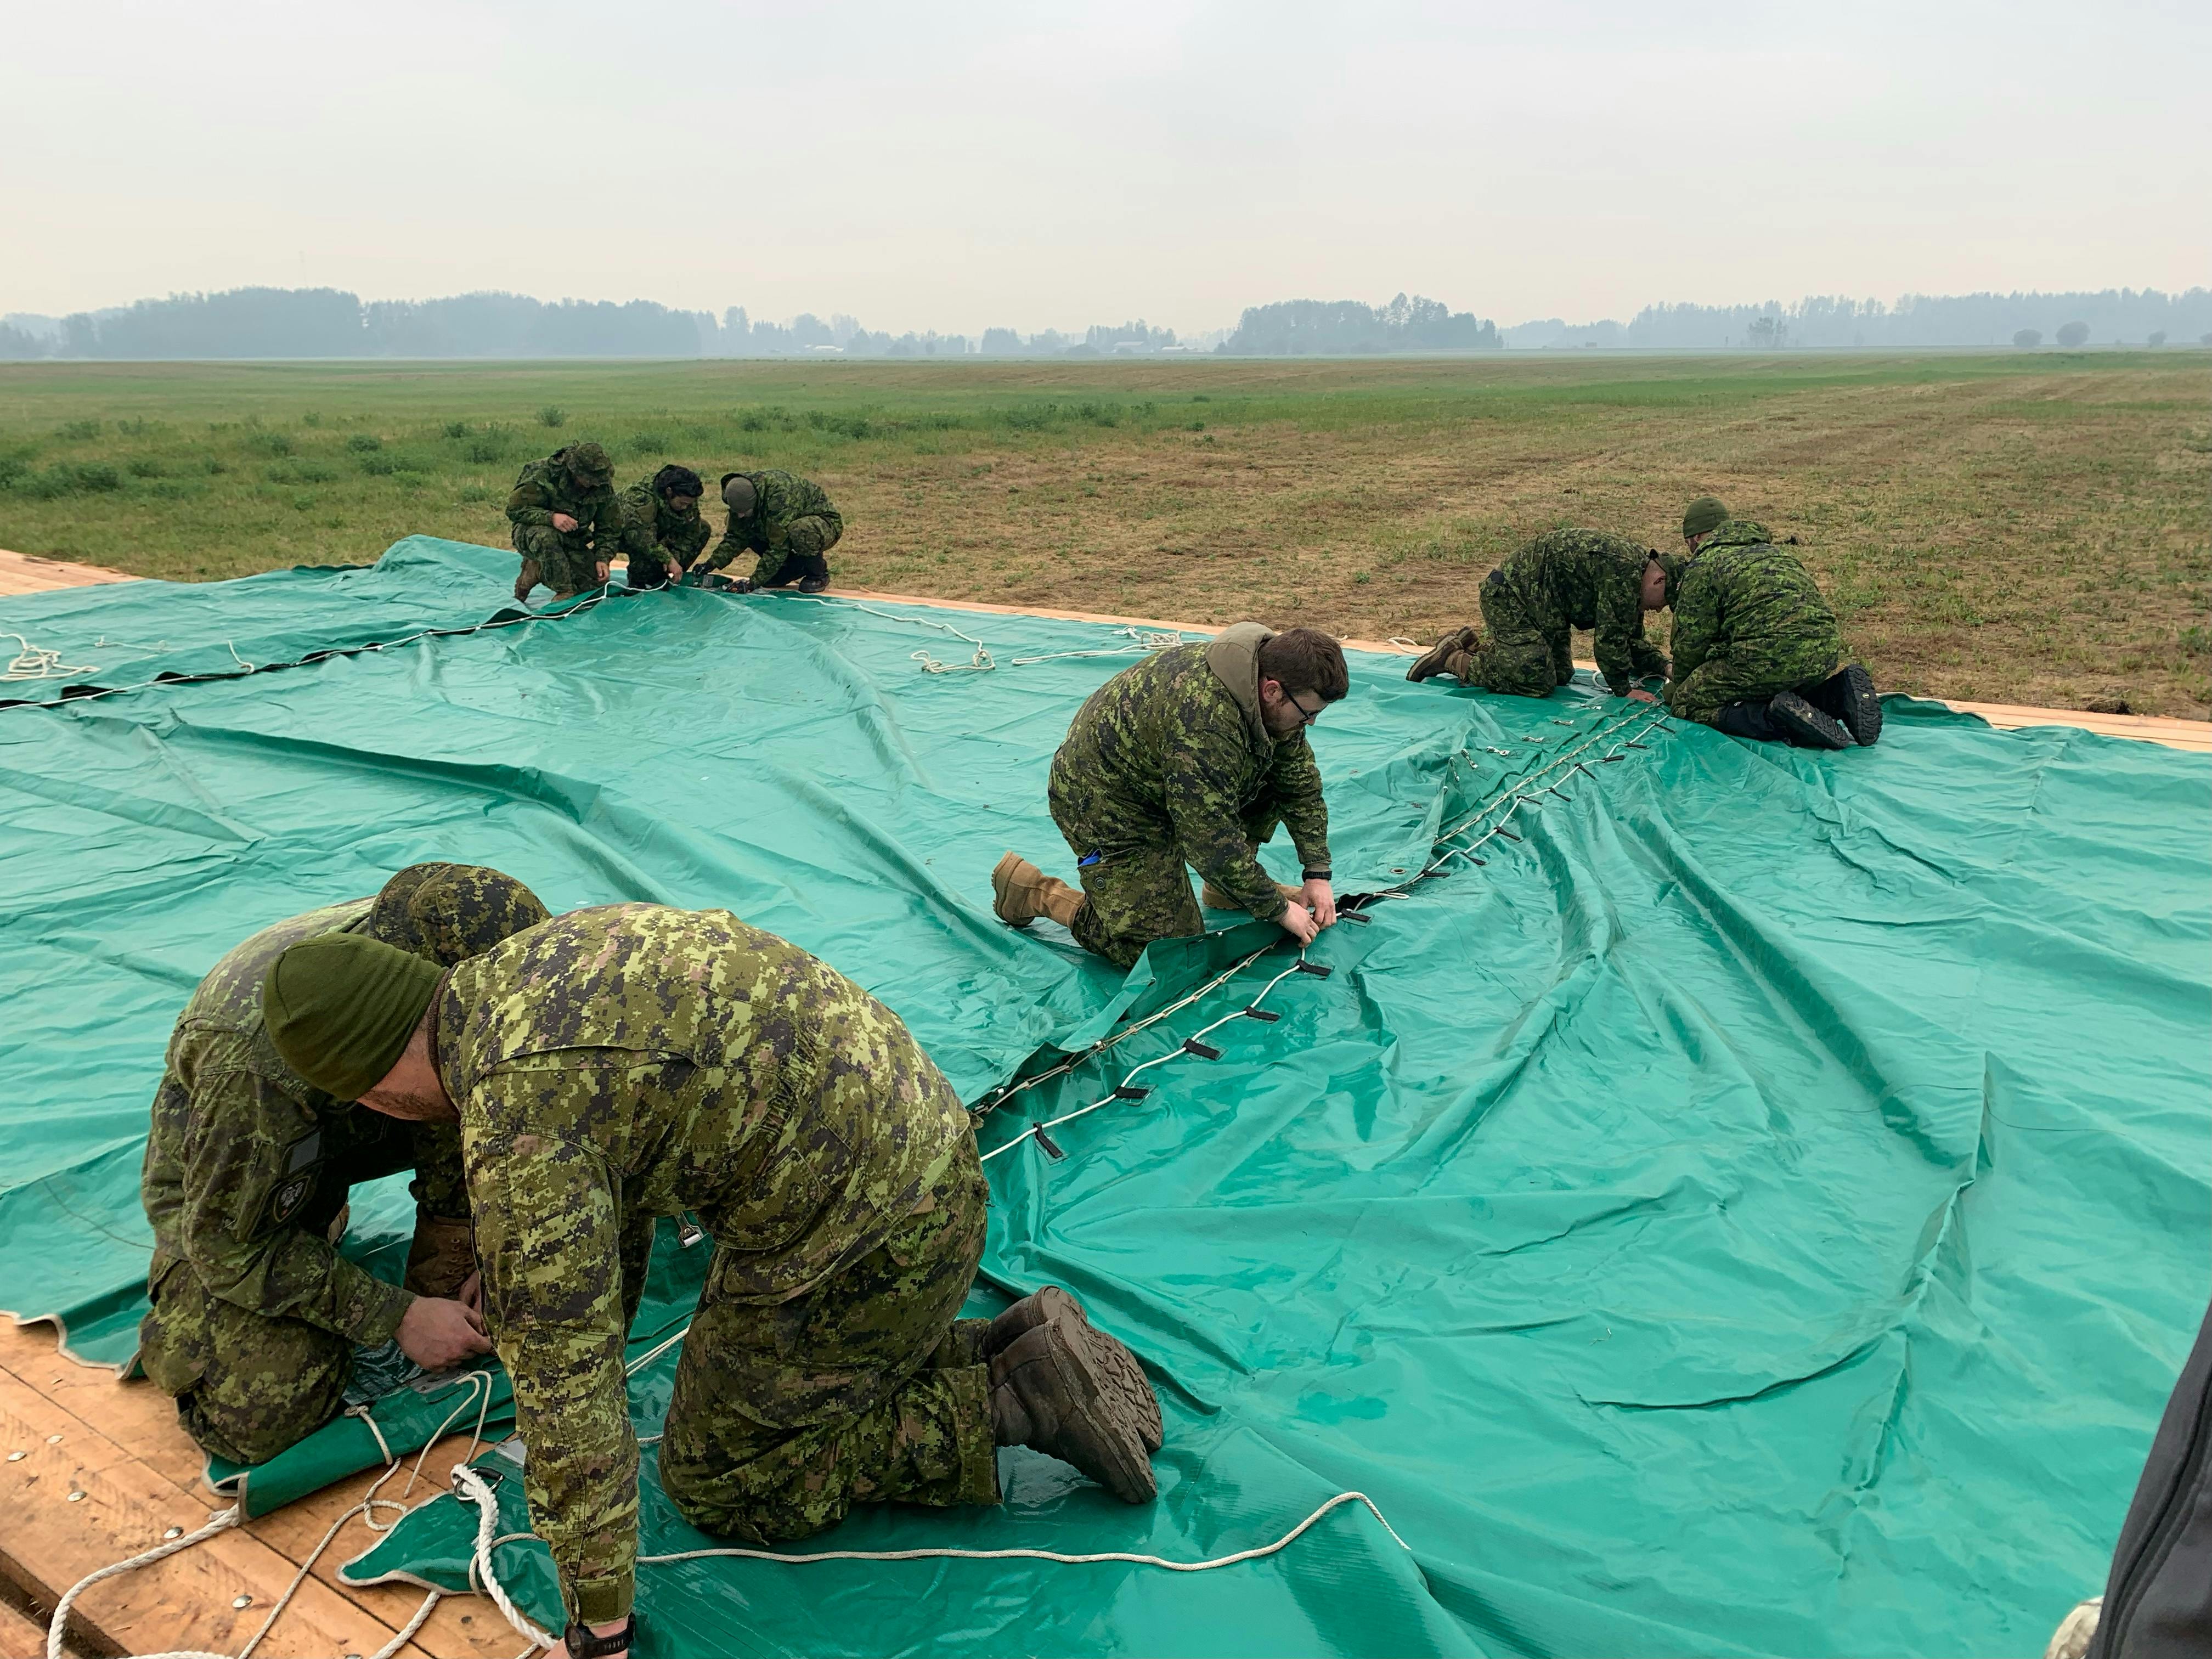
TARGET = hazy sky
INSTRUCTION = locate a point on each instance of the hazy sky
(1055, 165)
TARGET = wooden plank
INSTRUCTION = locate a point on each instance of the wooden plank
(26, 573)
(2146, 728)
(48, 1541)
(21, 1637)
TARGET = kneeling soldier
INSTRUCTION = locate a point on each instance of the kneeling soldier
(257, 1319)
(631, 1061)
(1190, 757)
(663, 530)
(785, 522)
(566, 520)
(1756, 648)
(1532, 603)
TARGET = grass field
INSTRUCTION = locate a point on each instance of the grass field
(2021, 527)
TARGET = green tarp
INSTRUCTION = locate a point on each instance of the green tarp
(1760, 1209)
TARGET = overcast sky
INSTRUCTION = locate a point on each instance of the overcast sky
(1045, 165)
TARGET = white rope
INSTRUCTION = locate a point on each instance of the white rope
(980, 663)
(479, 1394)
(1065, 1558)
(654, 1352)
(1181, 1049)
(1143, 642)
(35, 662)
(471, 1487)
(223, 1523)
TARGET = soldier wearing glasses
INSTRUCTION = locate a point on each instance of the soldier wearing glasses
(1191, 757)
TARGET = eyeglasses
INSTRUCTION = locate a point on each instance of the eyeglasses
(1307, 716)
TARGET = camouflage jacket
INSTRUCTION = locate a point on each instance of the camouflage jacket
(653, 531)
(546, 487)
(1736, 533)
(1174, 750)
(631, 1061)
(243, 1158)
(1746, 600)
(780, 497)
(1590, 579)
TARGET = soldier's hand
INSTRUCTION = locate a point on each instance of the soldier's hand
(1637, 694)
(1323, 897)
(743, 585)
(438, 1333)
(601, 567)
(563, 523)
(470, 1295)
(1297, 921)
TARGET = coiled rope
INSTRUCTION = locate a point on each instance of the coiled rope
(479, 1385)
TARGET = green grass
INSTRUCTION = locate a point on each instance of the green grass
(2027, 528)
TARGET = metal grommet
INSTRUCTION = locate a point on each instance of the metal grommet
(174, 1532)
(241, 1603)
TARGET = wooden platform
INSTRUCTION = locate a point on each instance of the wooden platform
(119, 1447)
(26, 573)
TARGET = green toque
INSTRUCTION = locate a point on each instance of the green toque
(1702, 514)
(340, 1008)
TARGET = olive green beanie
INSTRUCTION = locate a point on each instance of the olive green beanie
(1702, 514)
(340, 1008)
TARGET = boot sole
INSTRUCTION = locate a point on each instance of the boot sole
(1002, 876)
(1119, 1371)
(1075, 1414)
(1800, 719)
(1862, 713)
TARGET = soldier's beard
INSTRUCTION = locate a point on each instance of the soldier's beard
(411, 1108)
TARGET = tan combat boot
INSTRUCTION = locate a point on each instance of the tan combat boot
(1020, 893)
(1449, 655)
(1214, 899)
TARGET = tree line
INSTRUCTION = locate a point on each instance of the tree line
(277, 323)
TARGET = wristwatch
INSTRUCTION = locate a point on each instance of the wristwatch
(1315, 875)
(582, 1644)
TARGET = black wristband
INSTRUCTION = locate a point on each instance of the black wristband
(582, 1644)
(1317, 875)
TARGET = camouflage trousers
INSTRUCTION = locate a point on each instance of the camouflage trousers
(1136, 890)
(805, 543)
(563, 562)
(869, 1388)
(1525, 651)
(1752, 673)
(247, 1385)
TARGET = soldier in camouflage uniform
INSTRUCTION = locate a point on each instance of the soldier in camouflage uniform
(1192, 756)
(663, 530)
(567, 521)
(632, 1061)
(256, 1318)
(1756, 648)
(1532, 603)
(785, 522)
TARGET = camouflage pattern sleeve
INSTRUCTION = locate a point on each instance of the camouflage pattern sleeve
(686, 538)
(602, 518)
(1696, 621)
(1207, 815)
(531, 503)
(231, 1228)
(547, 1228)
(1620, 630)
(1294, 778)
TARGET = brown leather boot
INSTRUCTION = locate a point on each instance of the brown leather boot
(1447, 656)
(1119, 1369)
(1214, 899)
(1050, 1392)
(1020, 893)
(441, 1255)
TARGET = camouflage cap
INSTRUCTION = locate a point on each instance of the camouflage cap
(588, 462)
(738, 493)
(340, 1007)
(447, 913)
(1702, 514)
